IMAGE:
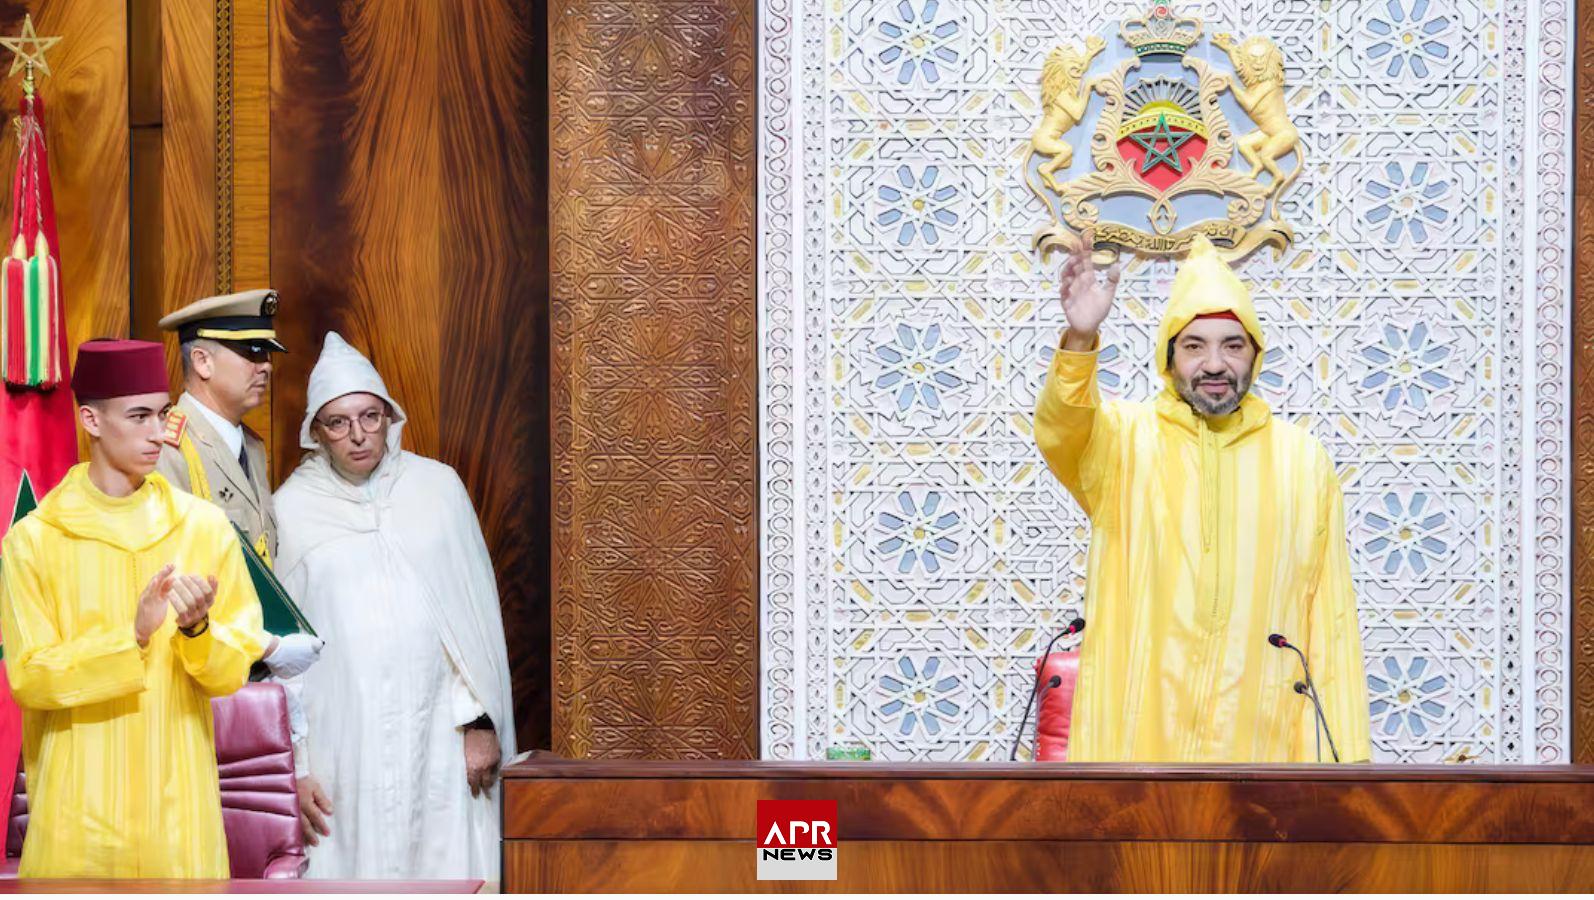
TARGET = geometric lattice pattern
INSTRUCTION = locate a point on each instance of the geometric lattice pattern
(917, 554)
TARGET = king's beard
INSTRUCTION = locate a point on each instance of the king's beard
(1190, 392)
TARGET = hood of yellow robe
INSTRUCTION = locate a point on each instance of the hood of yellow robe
(1204, 285)
(133, 523)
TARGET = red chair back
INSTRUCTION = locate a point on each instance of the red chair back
(1055, 709)
(259, 793)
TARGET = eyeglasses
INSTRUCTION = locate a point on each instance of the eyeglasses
(337, 427)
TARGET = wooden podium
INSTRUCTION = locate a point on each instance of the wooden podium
(665, 826)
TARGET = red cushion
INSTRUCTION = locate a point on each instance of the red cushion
(1056, 706)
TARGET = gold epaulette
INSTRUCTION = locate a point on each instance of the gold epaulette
(176, 424)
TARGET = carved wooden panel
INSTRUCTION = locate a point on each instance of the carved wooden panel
(654, 377)
(405, 215)
(1582, 391)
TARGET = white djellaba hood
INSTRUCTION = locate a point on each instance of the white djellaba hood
(344, 370)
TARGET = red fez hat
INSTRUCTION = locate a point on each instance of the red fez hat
(109, 368)
(1224, 314)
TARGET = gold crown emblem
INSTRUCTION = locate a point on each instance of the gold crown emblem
(1160, 31)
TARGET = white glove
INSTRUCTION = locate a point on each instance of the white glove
(295, 654)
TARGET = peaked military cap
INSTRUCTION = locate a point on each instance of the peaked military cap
(244, 318)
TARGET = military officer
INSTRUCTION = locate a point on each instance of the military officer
(226, 345)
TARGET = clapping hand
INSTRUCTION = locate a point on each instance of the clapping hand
(191, 597)
(152, 606)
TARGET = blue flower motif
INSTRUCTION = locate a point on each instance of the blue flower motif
(1406, 535)
(1408, 201)
(917, 40)
(918, 368)
(1409, 37)
(1403, 699)
(919, 534)
(918, 204)
(920, 697)
(1408, 367)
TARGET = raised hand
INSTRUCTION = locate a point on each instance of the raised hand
(152, 606)
(191, 598)
(1086, 300)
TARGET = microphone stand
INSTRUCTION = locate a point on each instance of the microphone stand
(1309, 690)
(1317, 721)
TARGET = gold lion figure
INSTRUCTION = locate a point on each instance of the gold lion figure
(1260, 66)
(1064, 96)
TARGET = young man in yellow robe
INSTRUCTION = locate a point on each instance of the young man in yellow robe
(1213, 526)
(125, 607)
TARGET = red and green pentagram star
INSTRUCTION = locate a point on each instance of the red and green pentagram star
(1169, 154)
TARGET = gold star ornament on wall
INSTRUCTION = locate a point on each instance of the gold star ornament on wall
(29, 48)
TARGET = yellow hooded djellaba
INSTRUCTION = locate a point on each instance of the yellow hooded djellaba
(1207, 536)
(118, 740)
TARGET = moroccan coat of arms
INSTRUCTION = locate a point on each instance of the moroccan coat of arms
(1137, 141)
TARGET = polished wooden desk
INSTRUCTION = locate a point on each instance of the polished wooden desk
(240, 886)
(640, 826)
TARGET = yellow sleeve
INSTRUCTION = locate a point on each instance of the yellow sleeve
(50, 670)
(1334, 638)
(1072, 429)
(218, 659)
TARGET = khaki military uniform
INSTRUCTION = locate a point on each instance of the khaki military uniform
(196, 457)
(197, 460)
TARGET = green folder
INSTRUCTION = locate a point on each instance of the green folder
(278, 611)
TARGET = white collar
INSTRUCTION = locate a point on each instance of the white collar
(232, 435)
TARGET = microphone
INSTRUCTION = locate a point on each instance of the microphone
(1052, 682)
(1308, 690)
(1056, 681)
(1074, 627)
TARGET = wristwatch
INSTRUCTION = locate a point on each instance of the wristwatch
(194, 631)
(480, 723)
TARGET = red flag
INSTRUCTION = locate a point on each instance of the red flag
(38, 437)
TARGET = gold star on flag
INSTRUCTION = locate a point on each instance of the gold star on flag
(24, 56)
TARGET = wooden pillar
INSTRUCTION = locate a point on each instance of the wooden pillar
(654, 377)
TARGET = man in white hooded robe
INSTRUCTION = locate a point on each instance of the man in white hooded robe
(409, 710)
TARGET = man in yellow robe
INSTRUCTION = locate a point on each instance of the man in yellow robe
(1213, 526)
(125, 606)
